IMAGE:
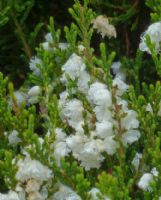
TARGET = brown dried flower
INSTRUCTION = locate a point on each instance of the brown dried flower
(101, 23)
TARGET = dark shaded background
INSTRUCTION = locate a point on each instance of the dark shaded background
(130, 18)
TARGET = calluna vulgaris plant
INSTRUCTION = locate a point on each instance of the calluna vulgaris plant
(76, 130)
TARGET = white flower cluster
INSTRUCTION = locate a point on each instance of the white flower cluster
(32, 169)
(154, 32)
(103, 131)
(31, 175)
(75, 69)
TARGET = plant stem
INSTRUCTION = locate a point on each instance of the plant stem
(21, 35)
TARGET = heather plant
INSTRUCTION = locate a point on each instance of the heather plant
(84, 125)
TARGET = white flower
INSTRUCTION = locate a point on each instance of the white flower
(154, 32)
(34, 91)
(130, 120)
(83, 81)
(49, 38)
(155, 172)
(136, 160)
(33, 94)
(73, 67)
(81, 48)
(63, 97)
(65, 193)
(144, 182)
(122, 103)
(90, 156)
(98, 94)
(116, 68)
(104, 129)
(76, 143)
(62, 101)
(34, 64)
(60, 146)
(100, 97)
(10, 196)
(63, 45)
(86, 150)
(149, 108)
(73, 113)
(122, 87)
(47, 46)
(102, 113)
(110, 145)
(32, 169)
(13, 138)
(101, 23)
(130, 136)
(44, 191)
(94, 192)
(100, 145)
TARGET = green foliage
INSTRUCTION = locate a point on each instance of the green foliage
(36, 124)
(8, 170)
(154, 5)
(108, 185)
(73, 175)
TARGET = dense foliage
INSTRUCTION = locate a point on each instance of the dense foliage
(80, 111)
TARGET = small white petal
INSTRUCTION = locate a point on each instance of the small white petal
(149, 108)
(34, 91)
(131, 136)
(110, 145)
(155, 172)
(121, 85)
(130, 120)
(65, 193)
(104, 129)
(33, 65)
(13, 138)
(145, 181)
(136, 160)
